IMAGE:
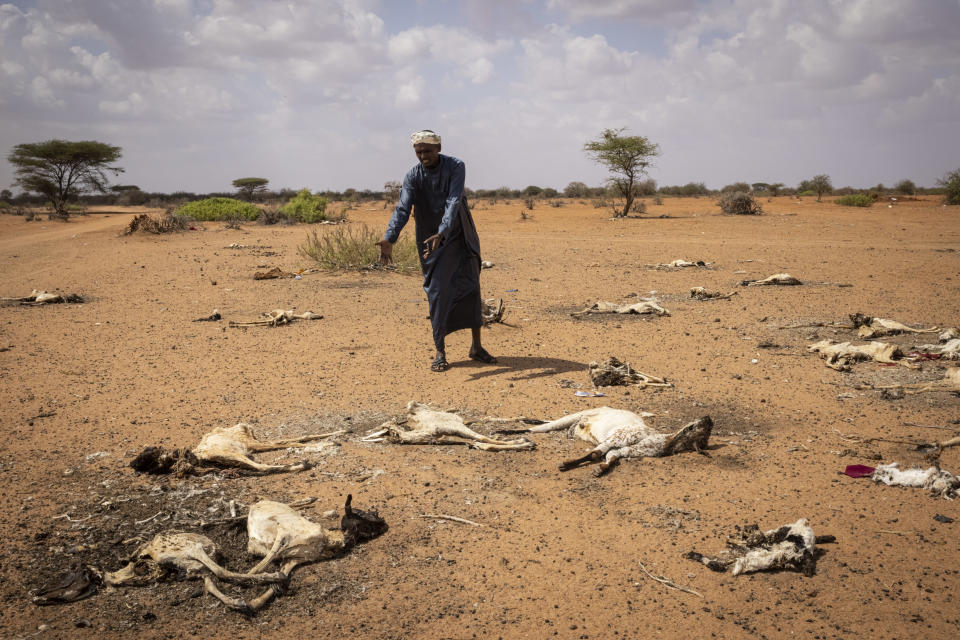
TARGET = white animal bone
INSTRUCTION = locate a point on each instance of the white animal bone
(949, 383)
(790, 546)
(232, 446)
(642, 307)
(425, 425)
(940, 483)
(623, 434)
(840, 355)
(782, 279)
(278, 317)
(190, 553)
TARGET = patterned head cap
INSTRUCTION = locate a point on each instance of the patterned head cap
(426, 136)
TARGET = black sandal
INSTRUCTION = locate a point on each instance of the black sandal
(440, 364)
(483, 356)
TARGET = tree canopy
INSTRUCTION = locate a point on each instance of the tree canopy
(249, 188)
(819, 184)
(62, 170)
(626, 157)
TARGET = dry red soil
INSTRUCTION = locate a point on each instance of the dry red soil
(558, 553)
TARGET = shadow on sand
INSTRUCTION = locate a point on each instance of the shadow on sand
(524, 368)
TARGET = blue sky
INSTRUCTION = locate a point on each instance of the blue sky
(324, 93)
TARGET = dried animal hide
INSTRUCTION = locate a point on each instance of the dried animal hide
(276, 272)
(791, 546)
(492, 310)
(424, 425)
(699, 293)
(679, 264)
(614, 372)
(840, 355)
(780, 279)
(642, 307)
(940, 483)
(80, 583)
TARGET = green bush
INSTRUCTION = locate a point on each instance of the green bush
(218, 209)
(951, 187)
(353, 247)
(855, 200)
(739, 203)
(306, 207)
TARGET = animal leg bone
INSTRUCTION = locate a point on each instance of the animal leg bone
(273, 445)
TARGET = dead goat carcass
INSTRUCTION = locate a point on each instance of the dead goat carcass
(424, 425)
(841, 355)
(623, 434)
(229, 447)
(278, 317)
(277, 532)
(949, 350)
(940, 483)
(869, 327)
(614, 372)
(792, 546)
(189, 554)
(777, 279)
(644, 307)
(679, 264)
(700, 293)
(38, 297)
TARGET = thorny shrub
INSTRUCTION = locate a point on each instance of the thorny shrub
(855, 200)
(739, 203)
(306, 207)
(354, 247)
(218, 209)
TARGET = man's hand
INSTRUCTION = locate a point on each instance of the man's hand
(386, 252)
(431, 244)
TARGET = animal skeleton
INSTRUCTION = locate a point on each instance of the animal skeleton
(699, 293)
(940, 483)
(783, 279)
(37, 297)
(277, 532)
(189, 553)
(679, 264)
(278, 317)
(613, 372)
(840, 355)
(791, 546)
(492, 310)
(224, 447)
(424, 425)
(623, 434)
(643, 307)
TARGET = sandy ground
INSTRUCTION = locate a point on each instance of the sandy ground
(559, 553)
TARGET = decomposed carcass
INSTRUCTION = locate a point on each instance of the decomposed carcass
(618, 433)
(939, 482)
(950, 383)
(840, 355)
(791, 546)
(679, 264)
(225, 447)
(38, 297)
(278, 317)
(949, 350)
(700, 293)
(644, 307)
(869, 327)
(423, 424)
(278, 533)
(615, 372)
(189, 554)
(777, 279)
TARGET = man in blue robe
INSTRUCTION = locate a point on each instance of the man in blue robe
(447, 243)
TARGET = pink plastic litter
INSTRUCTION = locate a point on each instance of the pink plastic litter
(859, 470)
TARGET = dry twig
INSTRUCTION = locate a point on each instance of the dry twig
(441, 516)
(669, 583)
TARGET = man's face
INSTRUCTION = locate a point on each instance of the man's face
(427, 154)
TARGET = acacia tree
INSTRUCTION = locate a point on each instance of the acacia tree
(627, 157)
(250, 188)
(61, 170)
(951, 187)
(819, 184)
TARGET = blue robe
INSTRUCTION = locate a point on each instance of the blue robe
(451, 275)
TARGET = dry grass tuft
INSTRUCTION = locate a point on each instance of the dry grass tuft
(353, 247)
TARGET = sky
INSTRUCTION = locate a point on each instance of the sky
(324, 94)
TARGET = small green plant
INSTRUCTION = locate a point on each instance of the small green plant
(354, 247)
(739, 203)
(218, 209)
(951, 187)
(306, 207)
(855, 200)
